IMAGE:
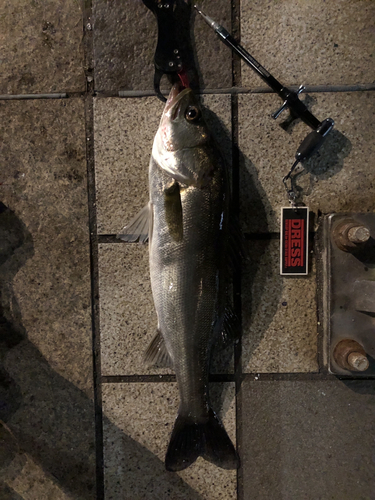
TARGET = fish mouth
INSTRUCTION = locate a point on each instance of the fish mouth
(177, 93)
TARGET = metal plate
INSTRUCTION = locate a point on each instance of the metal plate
(348, 280)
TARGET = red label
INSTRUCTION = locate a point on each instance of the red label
(294, 241)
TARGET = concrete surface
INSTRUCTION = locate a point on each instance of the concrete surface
(338, 178)
(126, 333)
(278, 313)
(310, 43)
(41, 47)
(308, 439)
(80, 415)
(124, 57)
(145, 414)
(46, 384)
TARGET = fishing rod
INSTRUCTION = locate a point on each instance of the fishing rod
(298, 109)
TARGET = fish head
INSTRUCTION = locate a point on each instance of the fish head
(182, 125)
(182, 136)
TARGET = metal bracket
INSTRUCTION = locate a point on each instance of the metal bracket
(348, 293)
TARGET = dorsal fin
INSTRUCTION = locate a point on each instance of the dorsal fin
(231, 326)
(236, 247)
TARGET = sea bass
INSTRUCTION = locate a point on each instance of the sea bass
(187, 225)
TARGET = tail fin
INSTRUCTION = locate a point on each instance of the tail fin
(189, 440)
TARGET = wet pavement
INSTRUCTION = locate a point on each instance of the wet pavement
(81, 417)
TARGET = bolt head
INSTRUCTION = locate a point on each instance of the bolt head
(358, 362)
(358, 234)
(349, 234)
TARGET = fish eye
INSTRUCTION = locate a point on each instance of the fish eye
(192, 113)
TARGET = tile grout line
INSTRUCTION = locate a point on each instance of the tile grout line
(51, 95)
(237, 299)
(235, 89)
(365, 87)
(10, 97)
(94, 277)
(94, 268)
(318, 376)
(110, 239)
(162, 378)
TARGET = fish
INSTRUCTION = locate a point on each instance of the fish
(187, 224)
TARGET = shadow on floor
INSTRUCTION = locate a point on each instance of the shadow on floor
(253, 268)
(43, 417)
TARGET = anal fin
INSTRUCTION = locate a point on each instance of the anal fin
(156, 353)
(139, 227)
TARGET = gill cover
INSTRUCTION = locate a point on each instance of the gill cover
(182, 142)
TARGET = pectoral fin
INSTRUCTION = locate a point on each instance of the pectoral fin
(139, 227)
(156, 353)
(173, 210)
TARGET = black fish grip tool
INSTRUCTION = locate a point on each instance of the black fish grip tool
(169, 57)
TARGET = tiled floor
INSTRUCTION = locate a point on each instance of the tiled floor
(80, 415)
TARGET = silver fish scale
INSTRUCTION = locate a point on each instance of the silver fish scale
(186, 278)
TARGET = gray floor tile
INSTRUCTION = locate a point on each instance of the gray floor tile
(125, 41)
(214, 59)
(278, 313)
(128, 320)
(138, 422)
(338, 178)
(316, 42)
(124, 133)
(308, 440)
(8, 493)
(41, 47)
(45, 329)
